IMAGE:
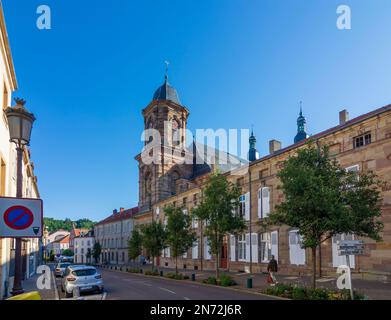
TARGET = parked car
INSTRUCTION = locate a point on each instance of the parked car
(66, 259)
(60, 268)
(85, 278)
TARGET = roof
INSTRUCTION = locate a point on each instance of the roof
(166, 92)
(77, 232)
(122, 215)
(324, 133)
(64, 239)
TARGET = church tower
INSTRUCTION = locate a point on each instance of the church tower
(168, 116)
(301, 122)
(253, 152)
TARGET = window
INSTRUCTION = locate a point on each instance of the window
(242, 206)
(242, 247)
(195, 199)
(263, 202)
(362, 140)
(184, 201)
(265, 247)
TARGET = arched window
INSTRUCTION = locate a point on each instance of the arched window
(175, 132)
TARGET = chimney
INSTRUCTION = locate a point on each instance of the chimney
(115, 211)
(121, 209)
(274, 145)
(343, 116)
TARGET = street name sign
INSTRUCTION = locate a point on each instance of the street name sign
(350, 247)
(21, 217)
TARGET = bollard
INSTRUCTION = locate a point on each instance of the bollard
(193, 277)
(141, 270)
(249, 283)
(161, 273)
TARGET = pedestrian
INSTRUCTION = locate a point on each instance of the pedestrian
(272, 268)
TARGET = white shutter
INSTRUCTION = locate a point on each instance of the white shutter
(254, 247)
(157, 211)
(274, 244)
(265, 202)
(185, 255)
(232, 248)
(194, 251)
(184, 211)
(207, 255)
(194, 223)
(168, 252)
(260, 203)
(247, 247)
(247, 206)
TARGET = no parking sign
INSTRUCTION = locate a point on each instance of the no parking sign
(20, 218)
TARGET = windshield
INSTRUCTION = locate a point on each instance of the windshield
(84, 272)
(63, 265)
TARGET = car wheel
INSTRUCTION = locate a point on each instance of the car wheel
(68, 295)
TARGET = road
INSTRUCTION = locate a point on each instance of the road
(127, 286)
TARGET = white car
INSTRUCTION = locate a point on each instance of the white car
(85, 278)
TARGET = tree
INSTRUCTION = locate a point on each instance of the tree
(135, 244)
(153, 239)
(180, 237)
(322, 199)
(218, 209)
(88, 255)
(67, 253)
(96, 251)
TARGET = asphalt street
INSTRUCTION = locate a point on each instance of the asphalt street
(127, 286)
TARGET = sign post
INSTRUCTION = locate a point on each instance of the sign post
(349, 248)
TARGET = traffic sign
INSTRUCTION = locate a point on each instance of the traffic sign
(21, 217)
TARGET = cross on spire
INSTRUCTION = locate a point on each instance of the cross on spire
(166, 74)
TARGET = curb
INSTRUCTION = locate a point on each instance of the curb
(202, 284)
(56, 295)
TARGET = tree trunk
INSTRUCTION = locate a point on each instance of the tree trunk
(202, 246)
(153, 263)
(217, 265)
(176, 265)
(314, 267)
(320, 261)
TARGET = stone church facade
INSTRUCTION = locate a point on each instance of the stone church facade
(359, 144)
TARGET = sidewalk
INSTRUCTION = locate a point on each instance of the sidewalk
(375, 290)
(46, 294)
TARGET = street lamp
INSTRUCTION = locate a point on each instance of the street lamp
(20, 123)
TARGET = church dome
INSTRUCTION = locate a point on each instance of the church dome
(166, 92)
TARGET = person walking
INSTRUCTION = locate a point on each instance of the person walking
(272, 268)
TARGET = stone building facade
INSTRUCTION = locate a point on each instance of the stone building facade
(359, 144)
(113, 234)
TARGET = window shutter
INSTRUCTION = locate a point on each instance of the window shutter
(265, 202)
(168, 252)
(233, 249)
(195, 250)
(254, 244)
(274, 244)
(206, 249)
(247, 206)
(184, 211)
(247, 247)
(260, 204)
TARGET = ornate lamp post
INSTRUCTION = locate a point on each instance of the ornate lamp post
(20, 123)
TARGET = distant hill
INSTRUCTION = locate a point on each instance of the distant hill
(56, 224)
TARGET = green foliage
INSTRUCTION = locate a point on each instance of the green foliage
(151, 273)
(57, 224)
(217, 209)
(176, 276)
(134, 270)
(302, 293)
(226, 280)
(322, 199)
(68, 253)
(210, 280)
(180, 237)
(135, 244)
(96, 251)
(153, 238)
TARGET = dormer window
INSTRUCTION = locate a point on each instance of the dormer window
(362, 140)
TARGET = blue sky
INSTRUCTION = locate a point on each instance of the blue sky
(234, 63)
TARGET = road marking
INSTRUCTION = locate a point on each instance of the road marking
(186, 298)
(104, 295)
(167, 290)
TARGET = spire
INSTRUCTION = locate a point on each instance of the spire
(301, 122)
(252, 153)
(166, 74)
